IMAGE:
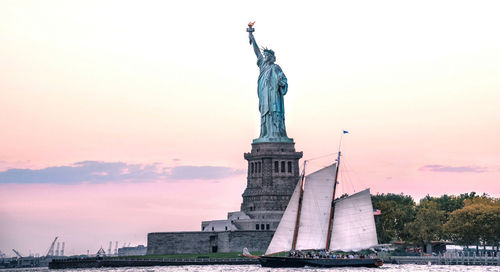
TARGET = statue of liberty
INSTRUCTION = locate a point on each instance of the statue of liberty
(272, 86)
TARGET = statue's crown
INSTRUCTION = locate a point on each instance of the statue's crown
(269, 51)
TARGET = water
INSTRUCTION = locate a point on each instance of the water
(258, 268)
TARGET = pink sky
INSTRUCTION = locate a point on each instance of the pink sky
(158, 103)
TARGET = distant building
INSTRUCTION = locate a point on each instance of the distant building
(233, 219)
(132, 251)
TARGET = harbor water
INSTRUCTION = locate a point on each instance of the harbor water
(258, 268)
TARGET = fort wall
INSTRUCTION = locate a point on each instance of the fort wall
(160, 243)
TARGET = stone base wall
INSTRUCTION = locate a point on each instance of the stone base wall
(200, 242)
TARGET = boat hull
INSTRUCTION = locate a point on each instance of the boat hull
(270, 261)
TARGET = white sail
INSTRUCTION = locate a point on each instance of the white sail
(283, 237)
(353, 223)
(318, 189)
(316, 203)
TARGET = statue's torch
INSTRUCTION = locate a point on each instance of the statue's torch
(250, 29)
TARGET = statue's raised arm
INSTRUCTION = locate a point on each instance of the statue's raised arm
(256, 49)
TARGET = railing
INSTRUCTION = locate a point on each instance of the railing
(447, 259)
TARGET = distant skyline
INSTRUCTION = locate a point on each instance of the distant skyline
(122, 118)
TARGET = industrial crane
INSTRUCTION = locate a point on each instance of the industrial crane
(17, 253)
(51, 249)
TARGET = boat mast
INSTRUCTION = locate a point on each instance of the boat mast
(332, 207)
(297, 220)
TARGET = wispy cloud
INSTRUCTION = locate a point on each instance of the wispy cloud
(101, 172)
(453, 169)
(202, 172)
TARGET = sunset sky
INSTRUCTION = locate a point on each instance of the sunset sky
(120, 118)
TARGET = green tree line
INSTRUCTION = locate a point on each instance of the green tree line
(466, 219)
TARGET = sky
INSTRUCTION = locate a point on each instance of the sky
(120, 118)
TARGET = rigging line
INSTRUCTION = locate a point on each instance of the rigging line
(342, 177)
(361, 183)
(343, 189)
(323, 156)
(347, 171)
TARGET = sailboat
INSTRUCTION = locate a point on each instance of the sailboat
(314, 221)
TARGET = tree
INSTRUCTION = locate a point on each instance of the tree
(478, 222)
(489, 219)
(397, 211)
(447, 203)
(428, 224)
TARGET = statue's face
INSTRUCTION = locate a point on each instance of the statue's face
(269, 58)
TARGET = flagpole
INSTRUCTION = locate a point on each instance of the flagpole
(341, 135)
(340, 142)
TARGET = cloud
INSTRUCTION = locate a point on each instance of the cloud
(101, 172)
(202, 172)
(453, 169)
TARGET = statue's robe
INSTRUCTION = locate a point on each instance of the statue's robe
(271, 105)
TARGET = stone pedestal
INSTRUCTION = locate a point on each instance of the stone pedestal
(273, 173)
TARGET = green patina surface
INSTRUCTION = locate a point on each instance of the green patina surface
(272, 86)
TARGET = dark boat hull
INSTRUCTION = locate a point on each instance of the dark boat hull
(269, 261)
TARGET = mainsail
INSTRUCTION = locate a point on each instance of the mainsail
(353, 223)
(316, 203)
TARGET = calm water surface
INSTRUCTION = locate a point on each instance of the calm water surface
(257, 268)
